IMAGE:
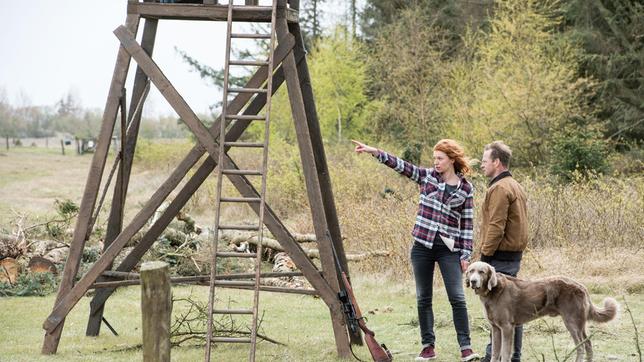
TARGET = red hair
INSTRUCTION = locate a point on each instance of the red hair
(455, 152)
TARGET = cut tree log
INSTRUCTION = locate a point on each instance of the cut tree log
(38, 264)
(238, 241)
(9, 270)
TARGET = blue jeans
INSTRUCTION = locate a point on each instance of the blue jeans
(423, 260)
(510, 268)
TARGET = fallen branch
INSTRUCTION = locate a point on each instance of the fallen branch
(238, 240)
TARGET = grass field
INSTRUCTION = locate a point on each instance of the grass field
(303, 324)
(32, 179)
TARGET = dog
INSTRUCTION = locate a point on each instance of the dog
(510, 301)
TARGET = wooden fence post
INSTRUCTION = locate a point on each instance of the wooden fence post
(62, 146)
(156, 308)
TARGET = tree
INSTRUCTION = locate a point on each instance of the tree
(610, 33)
(310, 21)
(354, 16)
(68, 105)
(338, 76)
(7, 128)
(407, 70)
(453, 16)
(520, 84)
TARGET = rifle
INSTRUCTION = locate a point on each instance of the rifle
(379, 352)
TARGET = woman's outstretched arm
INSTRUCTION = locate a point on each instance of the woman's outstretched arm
(399, 165)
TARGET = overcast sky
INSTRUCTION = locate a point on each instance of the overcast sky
(53, 47)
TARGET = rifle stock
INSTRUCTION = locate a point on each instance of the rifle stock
(379, 352)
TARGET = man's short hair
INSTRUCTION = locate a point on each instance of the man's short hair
(500, 151)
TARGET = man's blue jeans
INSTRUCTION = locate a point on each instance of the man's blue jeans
(510, 268)
(423, 260)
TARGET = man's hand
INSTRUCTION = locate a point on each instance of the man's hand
(361, 147)
(464, 265)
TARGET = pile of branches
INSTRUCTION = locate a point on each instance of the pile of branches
(32, 255)
(190, 326)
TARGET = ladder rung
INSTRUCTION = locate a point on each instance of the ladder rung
(247, 90)
(247, 117)
(250, 36)
(241, 199)
(239, 227)
(248, 62)
(232, 311)
(228, 283)
(241, 172)
(230, 339)
(252, 8)
(244, 144)
(232, 254)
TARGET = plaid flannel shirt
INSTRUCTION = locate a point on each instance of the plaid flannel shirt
(449, 215)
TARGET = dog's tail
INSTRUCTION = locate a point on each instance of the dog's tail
(605, 314)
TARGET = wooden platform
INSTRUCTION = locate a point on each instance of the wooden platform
(217, 12)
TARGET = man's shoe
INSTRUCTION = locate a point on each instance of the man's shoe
(468, 355)
(427, 354)
(487, 359)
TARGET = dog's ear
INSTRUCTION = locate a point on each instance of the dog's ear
(492, 280)
(467, 278)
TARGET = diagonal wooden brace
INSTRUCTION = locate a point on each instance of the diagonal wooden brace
(186, 113)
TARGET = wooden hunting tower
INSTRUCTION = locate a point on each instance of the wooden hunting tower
(286, 63)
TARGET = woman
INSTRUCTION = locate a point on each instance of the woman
(442, 234)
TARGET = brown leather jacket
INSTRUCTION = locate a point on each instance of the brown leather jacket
(504, 219)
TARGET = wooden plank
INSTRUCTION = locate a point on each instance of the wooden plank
(156, 311)
(115, 220)
(258, 78)
(134, 279)
(52, 337)
(322, 168)
(314, 194)
(205, 13)
(318, 148)
(204, 280)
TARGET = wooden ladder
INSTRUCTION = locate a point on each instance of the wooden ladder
(226, 168)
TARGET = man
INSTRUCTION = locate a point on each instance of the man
(504, 222)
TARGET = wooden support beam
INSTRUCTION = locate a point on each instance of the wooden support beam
(123, 276)
(321, 166)
(314, 193)
(135, 279)
(52, 337)
(206, 12)
(204, 280)
(115, 220)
